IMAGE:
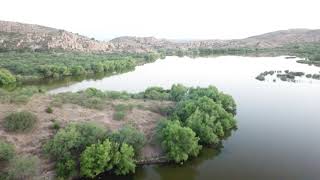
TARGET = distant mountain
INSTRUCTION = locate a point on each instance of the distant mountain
(17, 36)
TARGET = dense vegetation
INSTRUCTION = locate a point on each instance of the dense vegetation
(87, 149)
(203, 115)
(36, 65)
(20, 121)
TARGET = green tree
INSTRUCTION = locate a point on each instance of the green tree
(130, 136)
(6, 77)
(203, 125)
(96, 159)
(179, 142)
(178, 91)
(125, 162)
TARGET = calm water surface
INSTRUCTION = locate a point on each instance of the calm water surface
(278, 122)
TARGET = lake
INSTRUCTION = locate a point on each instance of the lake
(278, 122)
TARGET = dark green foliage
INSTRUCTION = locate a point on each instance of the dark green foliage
(178, 91)
(85, 148)
(20, 121)
(7, 151)
(130, 136)
(69, 142)
(179, 142)
(49, 110)
(6, 77)
(23, 167)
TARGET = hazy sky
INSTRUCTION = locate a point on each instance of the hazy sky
(175, 19)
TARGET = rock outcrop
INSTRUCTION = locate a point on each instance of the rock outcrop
(15, 36)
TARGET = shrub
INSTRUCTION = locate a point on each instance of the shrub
(178, 91)
(23, 167)
(7, 151)
(156, 93)
(130, 136)
(20, 121)
(179, 142)
(96, 158)
(55, 125)
(6, 77)
(119, 115)
(125, 162)
(73, 139)
(49, 110)
(67, 145)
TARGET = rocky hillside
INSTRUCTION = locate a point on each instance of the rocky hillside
(15, 35)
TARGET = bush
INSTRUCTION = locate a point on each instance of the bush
(73, 139)
(96, 159)
(130, 136)
(20, 121)
(23, 167)
(55, 125)
(6, 77)
(179, 142)
(67, 145)
(49, 110)
(7, 151)
(178, 91)
(125, 162)
(156, 93)
(119, 115)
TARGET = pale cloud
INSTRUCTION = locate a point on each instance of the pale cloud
(176, 19)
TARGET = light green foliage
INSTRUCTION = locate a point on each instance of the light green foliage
(38, 65)
(96, 159)
(126, 163)
(130, 136)
(179, 142)
(6, 77)
(203, 125)
(23, 167)
(178, 91)
(20, 121)
(18, 96)
(156, 93)
(7, 151)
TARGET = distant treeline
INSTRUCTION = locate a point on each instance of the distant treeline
(24, 66)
